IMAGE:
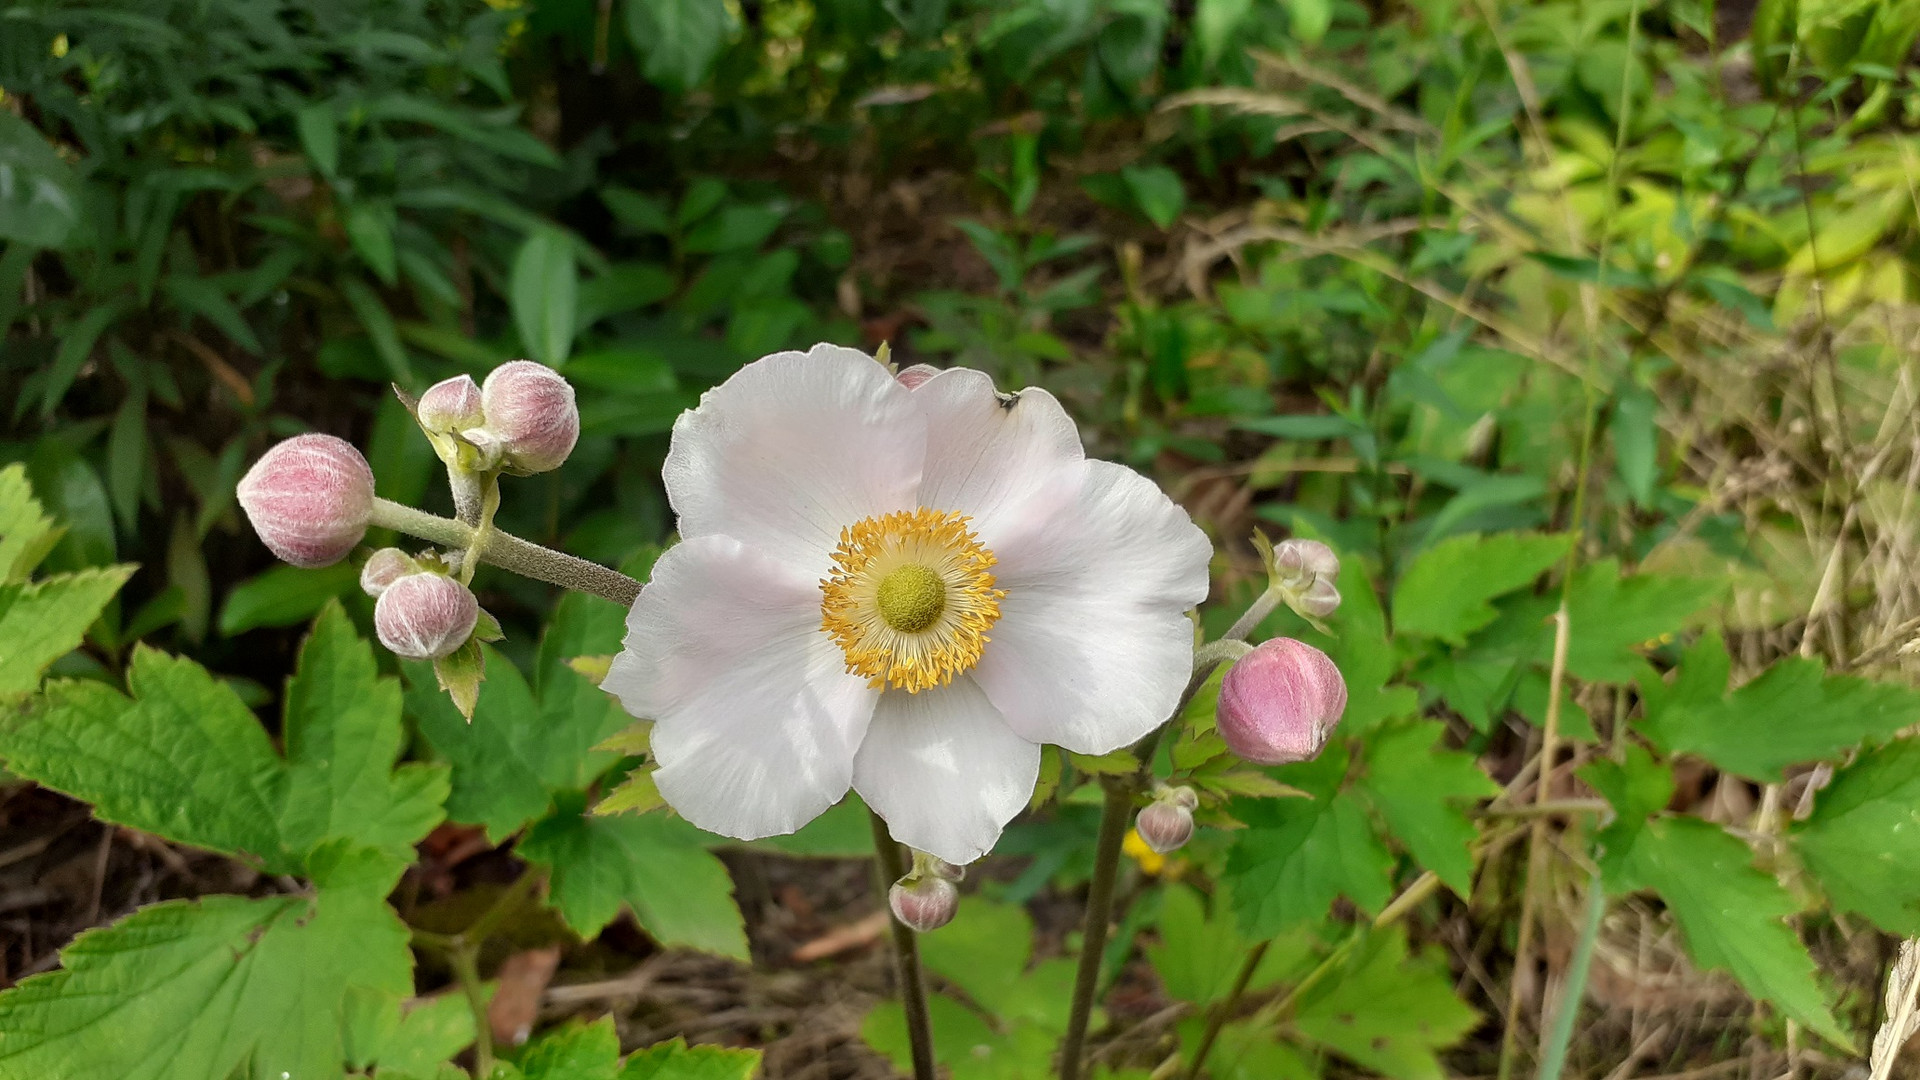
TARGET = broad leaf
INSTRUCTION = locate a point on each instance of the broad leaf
(1387, 1012)
(677, 39)
(1298, 855)
(1734, 917)
(26, 533)
(1611, 618)
(1862, 841)
(186, 990)
(1363, 653)
(652, 863)
(1421, 789)
(675, 1060)
(1793, 712)
(45, 620)
(39, 197)
(545, 294)
(1444, 592)
(573, 1051)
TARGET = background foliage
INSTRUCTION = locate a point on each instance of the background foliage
(1591, 315)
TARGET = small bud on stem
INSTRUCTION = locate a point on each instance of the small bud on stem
(425, 616)
(530, 410)
(923, 902)
(309, 498)
(383, 568)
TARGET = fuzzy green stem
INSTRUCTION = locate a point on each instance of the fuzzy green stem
(906, 951)
(1093, 944)
(509, 552)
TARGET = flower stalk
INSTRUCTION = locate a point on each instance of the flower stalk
(906, 953)
(509, 552)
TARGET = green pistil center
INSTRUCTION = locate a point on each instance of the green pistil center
(912, 598)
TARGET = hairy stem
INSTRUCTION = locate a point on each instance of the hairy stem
(509, 552)
(906, 951)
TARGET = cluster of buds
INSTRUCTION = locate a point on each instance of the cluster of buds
(926, 898)
(522, 420)
(1279, 703)
(1166, 824)
(1304, 572)
(419, 611)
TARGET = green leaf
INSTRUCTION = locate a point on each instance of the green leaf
(645, 214)
(284, 596)
(675, 1060)
(1732, 916)
(1386, 1012)
(653, 863)
(1214, 24)
(735, 228)
(45, 620)
(843, 832)
(378, 321)
(27, 534)
(1635, 442)
(369, 226)
(186, 990)
(1157, 191)
(39, 197)
(1611, 616)
(1199, 956)
(1364, 654)
(1444, 592)
(1309, 19)
(573, 1051)
(343, 735)
(1863, 839)
(1298, 855)
(319, 128)
(1792, 713)
(545, 293)
(985, 951)
(406, 1036)
(1420, 789)
(677, 40)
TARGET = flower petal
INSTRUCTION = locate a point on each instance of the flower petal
(1006, 461)
(756, 720)
(1093, 645)
(945, 770)
(793, 448)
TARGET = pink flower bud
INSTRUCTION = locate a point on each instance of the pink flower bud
(450, 405)
(1181, 796)
(1165, 826)
(912, 377)
(531, 409)
(383, 568)
(1300, 561)
(309, 499)
(1279, 702)
(425, 616)
(923, 904)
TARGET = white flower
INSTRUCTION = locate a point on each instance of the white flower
(901, 591)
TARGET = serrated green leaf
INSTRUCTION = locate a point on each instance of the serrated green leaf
(1732, 916)
(1444, 592)
(845, 831)
(1199, 955)
(1863, 839)
(186, 990)
(1386, 1012)
(637, 794)
(1612, 618)
(573, 1051)
(1298, 855)
(42, 621)
(406, 1037)
(675, 1060)
(343, 735)
(655, 864)
(1793, 712)
(1364, 655)
(985, 951)
(26, 533)
(1419, 787)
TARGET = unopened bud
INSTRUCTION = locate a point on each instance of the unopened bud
(425, 616)
(912, 377)
(923, 903)
(1279, 703)
(309, 499)
(531, 409)
(451, 405)
(1165, 826)
(1302, 561)
(383, 568)
(940, 867)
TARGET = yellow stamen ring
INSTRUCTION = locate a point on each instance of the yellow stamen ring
(910, 598)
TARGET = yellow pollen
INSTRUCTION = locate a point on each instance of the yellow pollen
(910, 598)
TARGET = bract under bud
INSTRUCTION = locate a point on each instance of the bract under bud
(923, 903)
(383, 568)
(1279, 703)
(1165, 826)
(309, 498)
(425, 616)
(531, 410)
(451, 405)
